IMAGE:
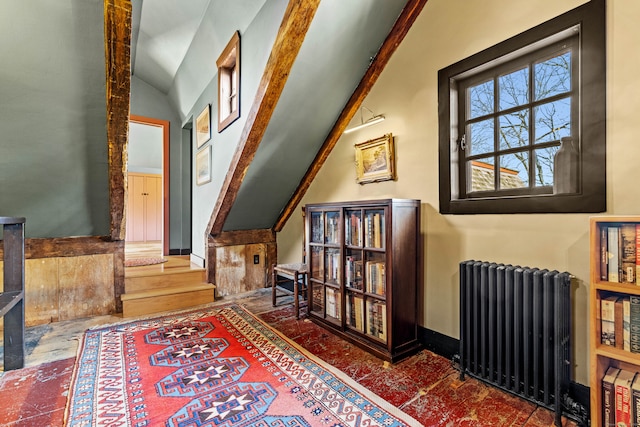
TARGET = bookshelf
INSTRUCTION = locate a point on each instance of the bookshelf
(363, 260)
(615, 261)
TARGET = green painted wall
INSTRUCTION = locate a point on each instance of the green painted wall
(53, 140)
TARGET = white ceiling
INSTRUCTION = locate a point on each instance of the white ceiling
(162, 38)
(338, 48)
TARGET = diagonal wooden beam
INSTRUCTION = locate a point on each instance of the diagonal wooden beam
(400, 29)
(294, 26)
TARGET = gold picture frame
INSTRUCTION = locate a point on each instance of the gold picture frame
(203, 126)
(203, 165)
(375, 160)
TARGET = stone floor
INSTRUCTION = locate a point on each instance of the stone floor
(425, 386)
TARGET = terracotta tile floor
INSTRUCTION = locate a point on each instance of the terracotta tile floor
(425, 385)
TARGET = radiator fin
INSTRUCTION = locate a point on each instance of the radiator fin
(515, 326)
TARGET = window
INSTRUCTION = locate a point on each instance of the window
(522, 124)
(229, 83)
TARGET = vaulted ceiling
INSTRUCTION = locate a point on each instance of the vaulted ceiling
(334, 68)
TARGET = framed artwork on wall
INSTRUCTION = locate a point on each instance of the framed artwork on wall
(375, 160)
(203, 165)
(203, 126)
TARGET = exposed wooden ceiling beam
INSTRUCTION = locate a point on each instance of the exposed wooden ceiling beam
(400, 29)
(294, 26)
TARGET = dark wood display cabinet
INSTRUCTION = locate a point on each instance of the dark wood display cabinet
(363, 264)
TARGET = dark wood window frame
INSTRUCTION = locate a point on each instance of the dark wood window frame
(229, 80)
(591, 118)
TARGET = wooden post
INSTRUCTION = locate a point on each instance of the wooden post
(12, 297)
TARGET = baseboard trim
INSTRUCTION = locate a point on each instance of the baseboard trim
(438, 343)
(448, 347)
(179, 251)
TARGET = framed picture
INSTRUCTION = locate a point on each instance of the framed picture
(203, 165)
(375, 160)
(203, 126)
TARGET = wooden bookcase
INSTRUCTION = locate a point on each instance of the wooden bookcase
(363, 263)
(602, 355)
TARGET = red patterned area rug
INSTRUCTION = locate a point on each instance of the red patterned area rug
(218, 367)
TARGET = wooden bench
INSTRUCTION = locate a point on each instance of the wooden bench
(297, 273)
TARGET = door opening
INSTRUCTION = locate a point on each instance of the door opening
(147, 213)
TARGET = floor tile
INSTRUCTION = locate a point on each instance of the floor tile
(35, 392)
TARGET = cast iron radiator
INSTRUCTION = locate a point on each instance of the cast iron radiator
(515, 332)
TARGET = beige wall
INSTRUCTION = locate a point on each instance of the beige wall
(446, 32)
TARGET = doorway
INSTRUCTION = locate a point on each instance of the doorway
(148, 186)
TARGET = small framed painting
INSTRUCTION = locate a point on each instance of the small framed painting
(203, 126)
(375, 160)
(203, 165)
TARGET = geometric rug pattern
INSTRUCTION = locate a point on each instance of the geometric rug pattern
(220, 366)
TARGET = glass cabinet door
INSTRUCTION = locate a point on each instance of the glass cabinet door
(317, 227)
(355, 310)
(332, 231)
(374, 228)
(353, 227)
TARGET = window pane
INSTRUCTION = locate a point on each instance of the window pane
(544, 165)
(481, 137)
(481, 173)
(553, 76)
(514, 89)
(552, 120)
(514, 130)
(481, 99)
(514, 170)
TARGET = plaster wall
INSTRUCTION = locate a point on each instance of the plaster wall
(53, 146)
(406, 92)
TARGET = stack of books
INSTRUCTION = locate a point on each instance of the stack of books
(620, 398)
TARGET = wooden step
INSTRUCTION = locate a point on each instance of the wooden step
(141, 281)
(152, 301)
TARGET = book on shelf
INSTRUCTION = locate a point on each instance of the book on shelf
(376, 277)
(637, 253)
(618, 323)
(352, 230)
(333, 266)
(354, 311)
(317, 270)
(622, 386)
(634, 323)
(317, 228)
(374, 229)
(377, 319)
(626, 319)
(332, 303)
(332, 228)
(358, 304)
(627, 253)
(353, 272)
(604, 254)
(609, 397)
(635, 401)
(613, 249)
(607, 320)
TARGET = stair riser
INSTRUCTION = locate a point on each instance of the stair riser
(143, 283)
(157, 304)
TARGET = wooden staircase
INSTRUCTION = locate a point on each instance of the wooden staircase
(173, 285)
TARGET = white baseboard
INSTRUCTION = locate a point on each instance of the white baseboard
(195, 259)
